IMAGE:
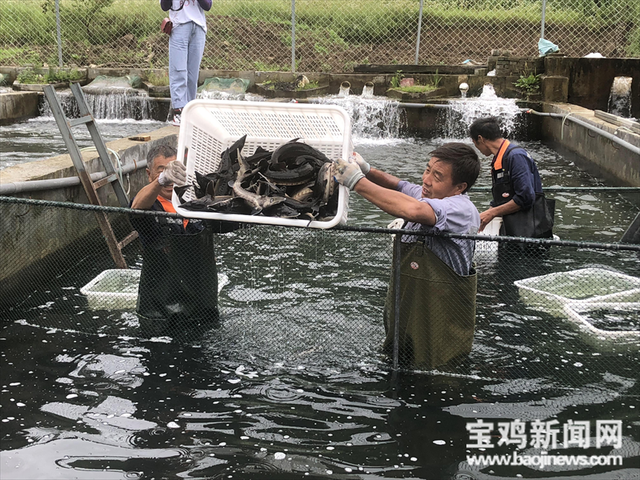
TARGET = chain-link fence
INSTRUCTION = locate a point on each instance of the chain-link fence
(315, 36)
(559, 313)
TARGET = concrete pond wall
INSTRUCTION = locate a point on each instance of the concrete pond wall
(60, 228)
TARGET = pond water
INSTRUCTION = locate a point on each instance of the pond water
(39, 138)
(293, 385)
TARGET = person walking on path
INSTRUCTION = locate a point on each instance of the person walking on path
(186, 47)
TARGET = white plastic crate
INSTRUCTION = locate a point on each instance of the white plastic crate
(489, 249)
(208, 127)
(117, 289)
(622, 318)
(593, 285)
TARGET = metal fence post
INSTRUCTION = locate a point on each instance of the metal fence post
(419, 29)
(544, 9)
(293, 36)
(58, 33)
(396, 300)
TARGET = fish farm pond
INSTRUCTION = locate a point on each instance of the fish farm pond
(293, 383)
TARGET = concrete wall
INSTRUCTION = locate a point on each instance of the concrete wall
(617, 162)
(58, 227)
(16, 106)
(590, 79)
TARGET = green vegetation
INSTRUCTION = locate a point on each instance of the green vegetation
(529, 85)
(395, 80)
(157, 79)
(417, 89)
(330, 34)
(309, 86)
(37, 76)
(436, 79)
(289, 86)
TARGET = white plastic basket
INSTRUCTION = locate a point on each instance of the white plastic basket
(581, 313)
(489, 249)
(117, 289)
(113, 290)
(208, 127)
(587, 285)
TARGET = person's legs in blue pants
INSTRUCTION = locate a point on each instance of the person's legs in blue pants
(196, 49)
(178, 54)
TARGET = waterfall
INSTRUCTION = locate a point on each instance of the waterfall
(458, 118)
(134, 105)
(620, 97)
(371, 118)
(367, 90)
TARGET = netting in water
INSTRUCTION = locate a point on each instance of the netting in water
(285, 372)
(289, 294)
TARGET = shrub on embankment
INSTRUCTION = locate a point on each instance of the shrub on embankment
(331, 35)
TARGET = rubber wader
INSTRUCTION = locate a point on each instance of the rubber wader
(437, 309)
(179, 280)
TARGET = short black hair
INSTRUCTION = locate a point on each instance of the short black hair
(464, 161)
(488, 127)
(162, 150)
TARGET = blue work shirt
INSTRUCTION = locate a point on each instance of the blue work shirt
(456, 214)
(523, 174)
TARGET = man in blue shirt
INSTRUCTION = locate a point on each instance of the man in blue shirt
(514, 177)
(438, 282)
(440, 204)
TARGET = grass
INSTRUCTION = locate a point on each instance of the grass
(330, 28)
(417, 88)
(38, 76)
(158, 79)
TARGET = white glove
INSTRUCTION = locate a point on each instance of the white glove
(364, 166)
(347, 173)
(174, 173)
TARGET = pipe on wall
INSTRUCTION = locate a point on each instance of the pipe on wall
(588, 126)
(8, 189)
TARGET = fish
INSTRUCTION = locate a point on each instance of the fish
(294, 181)
(225, 171)
(292, 150)
(257, 202)
(223, 203)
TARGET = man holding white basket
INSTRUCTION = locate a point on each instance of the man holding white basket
(438, 280)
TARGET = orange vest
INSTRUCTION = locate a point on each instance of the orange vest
(497, 164)
(168, 207)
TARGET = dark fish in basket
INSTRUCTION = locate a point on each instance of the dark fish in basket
(295, 181)
(257, 202)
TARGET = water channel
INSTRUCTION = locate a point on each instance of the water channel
(293, 384)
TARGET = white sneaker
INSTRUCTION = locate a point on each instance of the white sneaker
(176, 117)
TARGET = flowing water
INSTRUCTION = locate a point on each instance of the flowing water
(464, 111)
(620, 97)
(252, 402)
(117, 116)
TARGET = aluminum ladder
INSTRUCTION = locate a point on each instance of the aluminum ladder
(91, 187)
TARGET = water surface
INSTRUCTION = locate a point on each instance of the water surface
(293, 384)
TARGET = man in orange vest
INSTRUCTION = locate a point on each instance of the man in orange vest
(179, 281)
(163, 171)
(515, 184)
